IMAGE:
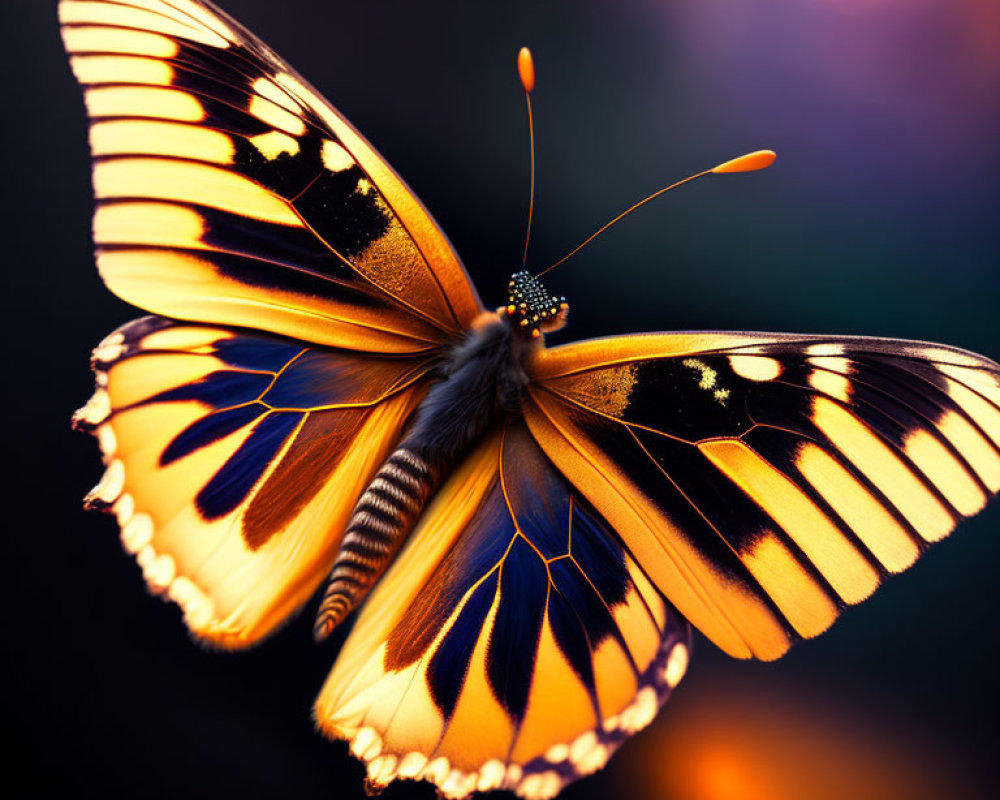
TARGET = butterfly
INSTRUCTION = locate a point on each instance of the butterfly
(527, 534)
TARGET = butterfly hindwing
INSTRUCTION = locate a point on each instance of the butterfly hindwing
(766, 481)
(229, 192)
(513, 643)
(233, 460)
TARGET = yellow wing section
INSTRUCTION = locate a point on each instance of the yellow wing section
(766, 481)
(234, 459)
(513, 644)
(229, 192)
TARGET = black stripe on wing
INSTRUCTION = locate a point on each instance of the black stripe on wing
(205, 144)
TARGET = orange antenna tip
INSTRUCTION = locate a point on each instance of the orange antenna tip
(761, 159)
(526, 69)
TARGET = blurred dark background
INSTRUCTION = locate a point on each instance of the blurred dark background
(879, 217)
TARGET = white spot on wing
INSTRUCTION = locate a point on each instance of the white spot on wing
(825, 349)
(335, 157)
(411, 765)
(368, 743)
(110, 485)
(677, 664)
(272, 145)
(755, 368)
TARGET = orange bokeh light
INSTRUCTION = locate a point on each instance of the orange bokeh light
(746, 743)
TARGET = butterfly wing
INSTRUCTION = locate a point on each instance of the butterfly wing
(762, 481)
(513, 643)
(229, 192)
(234, 459)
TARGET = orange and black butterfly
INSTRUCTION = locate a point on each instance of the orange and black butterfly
(322, 399)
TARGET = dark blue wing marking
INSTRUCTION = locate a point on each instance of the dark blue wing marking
(323, 377)
(539, 499)
(267, 375)
(207, 430)
(598, 555)
(593, 614)
(256, 352)
(518, 625)
(218, 389)
(450, 662)
(230, 486)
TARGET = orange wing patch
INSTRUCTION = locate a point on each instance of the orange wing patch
(233, 461)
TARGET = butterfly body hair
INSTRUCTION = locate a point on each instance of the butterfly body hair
(482, 380)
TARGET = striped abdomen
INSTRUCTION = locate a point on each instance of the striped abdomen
(381, 521)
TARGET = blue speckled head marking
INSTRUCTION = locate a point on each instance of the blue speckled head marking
(531, 306)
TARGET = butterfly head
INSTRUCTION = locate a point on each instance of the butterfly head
(531, 308)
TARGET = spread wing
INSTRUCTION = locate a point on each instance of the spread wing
(229, 192)
(513, 643)
(234, 459)
(764, 481)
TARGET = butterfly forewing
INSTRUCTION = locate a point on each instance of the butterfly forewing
(514, 643)
(234, 459)
(765, 481)
(228, 191)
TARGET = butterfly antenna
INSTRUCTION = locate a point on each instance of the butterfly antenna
(750, 162)
(526, 70)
